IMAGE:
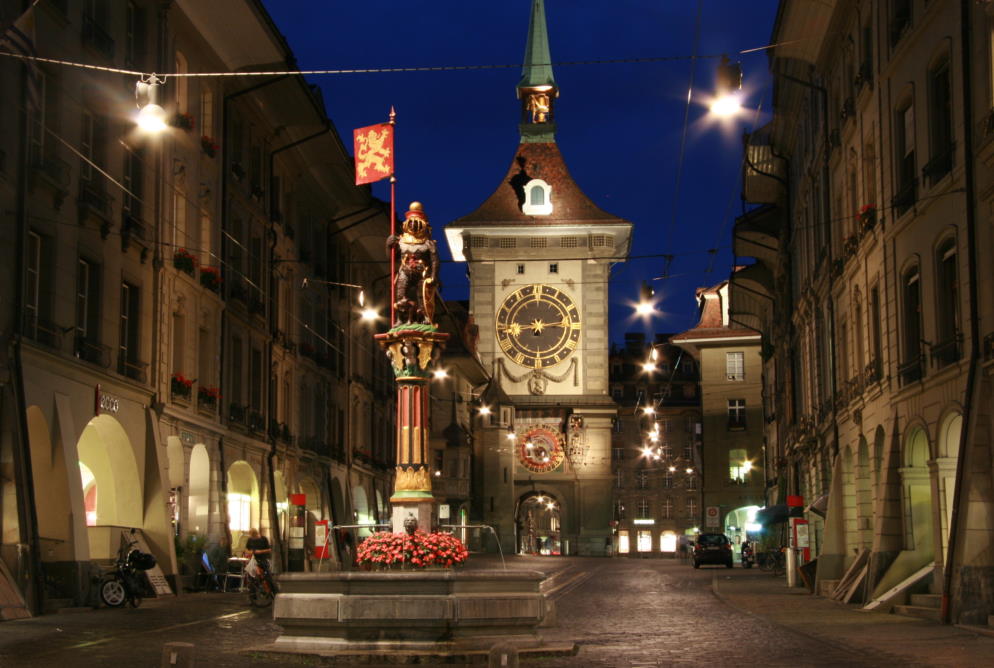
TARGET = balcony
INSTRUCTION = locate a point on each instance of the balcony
(91, 351)
(940, 165)
(95, 37)
(256, 422)
(906, 196)
(133, 229)
(948, 351)
(237, 414)
(133, 369)
(912, 371)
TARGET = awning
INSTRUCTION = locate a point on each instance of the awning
(777, 514)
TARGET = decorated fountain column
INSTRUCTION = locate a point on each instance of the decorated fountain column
(413, 344)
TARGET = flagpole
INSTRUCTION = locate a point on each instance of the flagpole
(393, 218)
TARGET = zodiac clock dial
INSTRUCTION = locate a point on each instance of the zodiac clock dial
(538, 326)
(540, 450)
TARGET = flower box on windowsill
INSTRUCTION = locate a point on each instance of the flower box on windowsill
(183, 121)
(184, 261)
(208, 398)
(209, 146)
(181, 388)
(210, 278)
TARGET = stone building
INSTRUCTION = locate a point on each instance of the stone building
(873, 185)
(185, 346)
(538, 252)
(655, 446)
(728, 356)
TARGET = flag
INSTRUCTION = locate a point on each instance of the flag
(373, 153)
(18, 38)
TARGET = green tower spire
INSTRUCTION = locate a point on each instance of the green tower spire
(537, 89)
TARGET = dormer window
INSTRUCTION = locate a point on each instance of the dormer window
(538, 198)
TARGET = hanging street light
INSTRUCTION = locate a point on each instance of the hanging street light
(728, 87)
(151, 117)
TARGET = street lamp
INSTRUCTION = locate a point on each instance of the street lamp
(646, 305)
(728, 101)
(151, 117)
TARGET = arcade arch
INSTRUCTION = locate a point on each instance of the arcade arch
(198, 501)
(917, 493)
(108, 467)
(243, 502)
(950, 430)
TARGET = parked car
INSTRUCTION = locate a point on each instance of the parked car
(712, 548)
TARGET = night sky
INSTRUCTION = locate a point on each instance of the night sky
(619, 125)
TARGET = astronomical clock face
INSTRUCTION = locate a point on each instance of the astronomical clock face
(540, 450)
(538, 326)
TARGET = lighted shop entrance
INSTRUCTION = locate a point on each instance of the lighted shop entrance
(538, 523)
(739, 524)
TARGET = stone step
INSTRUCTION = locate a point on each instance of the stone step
(931, 614)
(927, 600)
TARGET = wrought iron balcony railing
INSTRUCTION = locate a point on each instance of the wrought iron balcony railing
(912, 370)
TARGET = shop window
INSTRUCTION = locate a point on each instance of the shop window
(239, 512)
(644, 543)
(623, 542)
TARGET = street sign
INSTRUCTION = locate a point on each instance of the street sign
(712, 516)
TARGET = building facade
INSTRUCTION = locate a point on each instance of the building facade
(875, 198)
(539, 253)
(655, 447)
(728, 355)
(186, 354)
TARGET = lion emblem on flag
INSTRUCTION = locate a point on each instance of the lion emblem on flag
(373, 153)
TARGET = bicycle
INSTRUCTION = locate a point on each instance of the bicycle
(261, 587)
(772, 561)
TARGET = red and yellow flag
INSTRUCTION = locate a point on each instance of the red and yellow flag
(373, 153)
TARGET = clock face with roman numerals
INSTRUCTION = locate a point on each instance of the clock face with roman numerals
(538, 326)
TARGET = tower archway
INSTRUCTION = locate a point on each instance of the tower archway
(538, 518)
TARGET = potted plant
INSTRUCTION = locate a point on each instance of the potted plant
(209, 146)
(210, 278)
(181, 386)
(184, 261)
(183, 120)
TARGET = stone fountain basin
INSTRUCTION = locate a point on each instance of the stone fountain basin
(434, 610)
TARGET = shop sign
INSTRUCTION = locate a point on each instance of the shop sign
(712, 516)
(187, 437)
(105, 403)
(643, 520)
(443, 511)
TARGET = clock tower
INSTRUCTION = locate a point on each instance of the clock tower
(539, 254)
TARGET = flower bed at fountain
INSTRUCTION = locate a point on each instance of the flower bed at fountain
(386, 550)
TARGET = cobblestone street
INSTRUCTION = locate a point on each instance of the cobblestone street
(621, 612)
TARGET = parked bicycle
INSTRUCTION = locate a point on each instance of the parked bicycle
(260, 584)
(773, 561)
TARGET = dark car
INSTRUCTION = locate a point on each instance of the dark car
(713, 548)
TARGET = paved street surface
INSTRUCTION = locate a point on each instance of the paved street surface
(621, 612)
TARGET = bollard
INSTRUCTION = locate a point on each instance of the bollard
(503, 655)
(791, 564)
(177, 654)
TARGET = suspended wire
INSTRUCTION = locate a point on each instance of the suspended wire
(363, 70)
(683, 140)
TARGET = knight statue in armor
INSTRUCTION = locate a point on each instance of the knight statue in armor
(416, 282)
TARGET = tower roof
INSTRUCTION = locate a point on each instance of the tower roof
(537, 161)
(537, 69)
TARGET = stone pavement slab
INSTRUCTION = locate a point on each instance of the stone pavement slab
(877, 636)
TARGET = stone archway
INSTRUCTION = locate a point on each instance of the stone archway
(361, 512)
(538, 519)
(917, 494)
(950, 431)
(850, 505)
(243, 503)
(198, 499)
(109, 460)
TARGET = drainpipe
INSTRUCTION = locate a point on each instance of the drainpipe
(968, 395)
(278, 547)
